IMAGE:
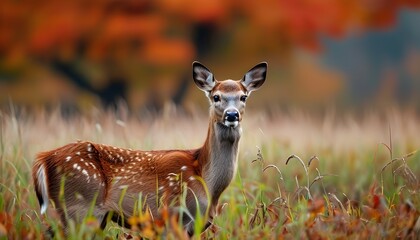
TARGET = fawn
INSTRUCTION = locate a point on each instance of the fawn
(111, 179)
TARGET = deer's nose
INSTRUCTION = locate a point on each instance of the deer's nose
(232, 116)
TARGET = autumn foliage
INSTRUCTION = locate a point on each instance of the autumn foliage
(160, 31)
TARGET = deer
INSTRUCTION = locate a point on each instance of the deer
(82, 175)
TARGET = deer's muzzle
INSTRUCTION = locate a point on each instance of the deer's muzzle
(231, 117)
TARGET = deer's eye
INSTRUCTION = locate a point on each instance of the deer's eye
(243, 98)
(216, 98)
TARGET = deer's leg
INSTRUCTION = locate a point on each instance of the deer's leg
(77, 202)
(194, 208)
(111, 215)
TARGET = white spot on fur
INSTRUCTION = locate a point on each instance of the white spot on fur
(78, 153)
(68, 158)
(183, 168)
(92, 165)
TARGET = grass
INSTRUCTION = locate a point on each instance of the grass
(299, 175)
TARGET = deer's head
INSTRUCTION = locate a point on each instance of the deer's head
(228, 97)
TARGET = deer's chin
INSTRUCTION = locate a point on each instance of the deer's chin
(231, 124)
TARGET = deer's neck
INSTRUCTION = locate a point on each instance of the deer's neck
(219, 157)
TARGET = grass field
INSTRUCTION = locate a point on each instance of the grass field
(362, 180)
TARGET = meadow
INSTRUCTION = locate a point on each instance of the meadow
(300, 175)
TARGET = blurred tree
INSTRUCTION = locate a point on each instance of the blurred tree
(375, 61)
(112, 34)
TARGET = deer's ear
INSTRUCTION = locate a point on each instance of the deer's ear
(255, 77)
(202, 76)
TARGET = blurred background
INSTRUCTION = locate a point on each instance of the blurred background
(78, 54)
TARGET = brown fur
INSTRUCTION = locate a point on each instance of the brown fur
(229, 87)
